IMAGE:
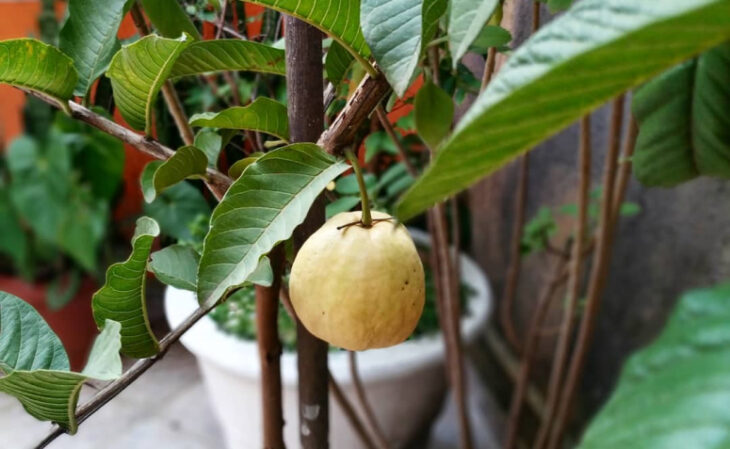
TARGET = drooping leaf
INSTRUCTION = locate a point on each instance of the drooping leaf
(89, 37)
(146, 180)
(138, 71)
(337, 62)
(466, 20)
(433, 113)
(262, 115)
(176, 208)
(176, 265)
(229, 54)
(31, 64)
(393, 29)
(239, 166)
(681, 133)
(169, 19)
(123, 299)
(187, 162)
(674, 393)
(338, 18)
(261, 208)
(211, 143)
(603, 46)
(36, 367)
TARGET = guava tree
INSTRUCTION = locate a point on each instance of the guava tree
(592, 53)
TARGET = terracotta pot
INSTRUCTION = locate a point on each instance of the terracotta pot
(74, 323)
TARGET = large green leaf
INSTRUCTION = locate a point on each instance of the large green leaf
(122, 298)
(31, 64)
(176, 265)
(262, 115)
(433, 114)
(675, 392)
(600, 48)
(169, 19)
(36, 368)
(138, 71)
(338, 18)
(262, 208)
(187, 162)
(89, 37)
(466, 20)
(682, 133)
(229, 54)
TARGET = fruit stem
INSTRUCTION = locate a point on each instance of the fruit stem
(366, 219)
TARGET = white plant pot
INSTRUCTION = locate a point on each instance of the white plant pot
(405, 384)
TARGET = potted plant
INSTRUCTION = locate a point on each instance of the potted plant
(58, 183)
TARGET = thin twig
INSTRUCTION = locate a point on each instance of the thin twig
(574, 283)
(222, 19)
(599, 273)
(385, 123)
(111, 390)
(370, 417)
(624, 170)
(528, 358)
(349, 411)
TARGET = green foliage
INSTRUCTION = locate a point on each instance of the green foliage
(229, 55)
(674, 393)
(122, 298)
(528, 100)
(681, 133)
(169, 19)
(434, 112)
(31, 64)
(36, 368)
(177, 207)
(262, 115)
(492, 36)
(337, 62)
(466, 20)
(262, 208)
(176, 265)
(89, 37)
(239, 166)
(187, 162)
(537, 231)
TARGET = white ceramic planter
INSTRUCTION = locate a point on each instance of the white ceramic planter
(405, 384)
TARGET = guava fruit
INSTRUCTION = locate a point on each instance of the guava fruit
(358, 287)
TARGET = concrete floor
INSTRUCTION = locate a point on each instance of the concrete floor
(168, 408)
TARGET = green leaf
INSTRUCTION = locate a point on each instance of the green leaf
(169, 18)
(343, 204)
(262, 115)
(337, 62)
(237, 169)
(674, 392)
(347, 185)
(377, 142)
(138, 71)
(14, 242)
(31, 64)
(176, 265)
(559, 5)
(602, 46)
(36, 366)
(261, 208)
(432, 12)
(434, 112)
(393, 30)
(187, 162)
(492, 36)
(176, 209)
(466, 20)
(211, 143)
(122, 298)
(229, 55)
(146, 180)
(338, 18)
(89, 37)
(681, 133)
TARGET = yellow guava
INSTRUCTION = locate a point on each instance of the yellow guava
(358, 288)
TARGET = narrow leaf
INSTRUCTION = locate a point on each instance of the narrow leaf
(31, 64)
(122, 298)
(138, 71)
(187, 162)
(169, 19)
(176, 265)
(466, 20)
(262, 115)
(338, 18)
(229, 54)
(261, 208)
(89, 37)
(433, 113)
(603, 47)
(674, 393)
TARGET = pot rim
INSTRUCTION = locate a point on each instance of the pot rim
(241, 357)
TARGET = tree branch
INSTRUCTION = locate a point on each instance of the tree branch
(383, 118)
